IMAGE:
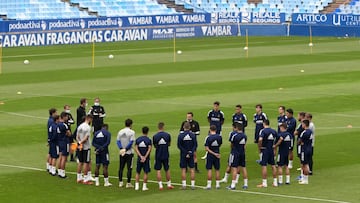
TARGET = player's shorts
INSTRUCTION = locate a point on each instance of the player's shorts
(267, 157)
(64, 148)
(283, 159)
(54, 150)
(236, 160)
(305, 158)
(291, 148)
(159, 163)
(145, 166)
(187, 162)
(103, 158)
(298, 150)
(84, 156)
(211, 161)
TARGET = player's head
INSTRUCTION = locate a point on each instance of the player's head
(266, 123)
(161, 125)
(305, 124)
(52, 112)
(145, 130)
(238, 108)
(308, 116)
(97, 101)
(212, 129)
(64, 116)
(301, 116)
(216, 105)
(281, 110)
(187, 126)
(56, 118)
(189, 116)
(289, 113)
(283, 127)
(67, 108)
(238, 127)
(234, 125)
(88, 118)
(258, 108)
(128, 123)
(83, 102)
(105, 126)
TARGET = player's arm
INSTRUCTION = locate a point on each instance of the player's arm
(264, 116)
(71, 119)
(209, 117)
(118, 143)
(179, 145)
(245, 122)
(84, 139)
(182, 127)
(155, 142)
(197, 129)
(102, 113)
(260, 147)
(137, 150)
(278, 142)
(148, 152)
(132, 139)
(222, 119)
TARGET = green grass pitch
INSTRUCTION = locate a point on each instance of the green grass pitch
(208, 69)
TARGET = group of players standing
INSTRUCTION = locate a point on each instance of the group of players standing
(270, 142)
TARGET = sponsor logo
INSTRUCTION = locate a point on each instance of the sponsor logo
(194, 18)
(224, 30)
(108, 22)
(140, 20)
(245, 17)
(167, 19)
(25, 26)
(164, 33)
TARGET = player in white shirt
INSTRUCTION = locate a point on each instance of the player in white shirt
(124, 141)
(83, 140)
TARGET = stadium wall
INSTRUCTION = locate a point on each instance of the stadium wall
(112, 29)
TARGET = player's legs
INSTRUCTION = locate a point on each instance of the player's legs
(311, 161)
(129, 162)
(291, 158)
(97, 169)
(121, 169)
(167, 173)
(191, 165)
(137, 175)
(196, 162)
(183, 178)
(48, 162)
(234, 172)
(273, 168)
(209, 177)
(106, 175)
(228, 170)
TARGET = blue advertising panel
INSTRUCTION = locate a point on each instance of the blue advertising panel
(263, 17)
(325, 19)
(103, 23)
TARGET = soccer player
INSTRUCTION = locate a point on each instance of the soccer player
(195, 128)
(240, 117)
(291, 126)
(216, 117)
(52, 114)
(297, 133)
(308, 116)
(281, 118)
(305, 142)
(125, 140)
(143, 148)
(98, 113)
(237, 157)
(283, 144)
(212, 146)
(63, 134)
(267, 136)
(259, 118)
(53, 145)
(83, 139)
(69, 122)
(161, 141)
(81, 112)
(228, 167)
(187, 145)
(101, 143)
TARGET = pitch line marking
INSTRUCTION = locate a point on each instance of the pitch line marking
(178, 184)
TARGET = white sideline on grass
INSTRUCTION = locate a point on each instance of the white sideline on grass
(241, 191)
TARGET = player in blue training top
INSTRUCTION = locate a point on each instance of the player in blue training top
(284, 144)
(63, 134)
(161, 142)
(291, 126)
(240, 117)
(187, 145)
(305, 141)
(266, 141)
(212, 146)
(237, 157)
(216, 117)
(259, 118)
(281, 118)
(101, 142)
(52, 113)
(143, 147)
(53, 145)
(228, 167)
